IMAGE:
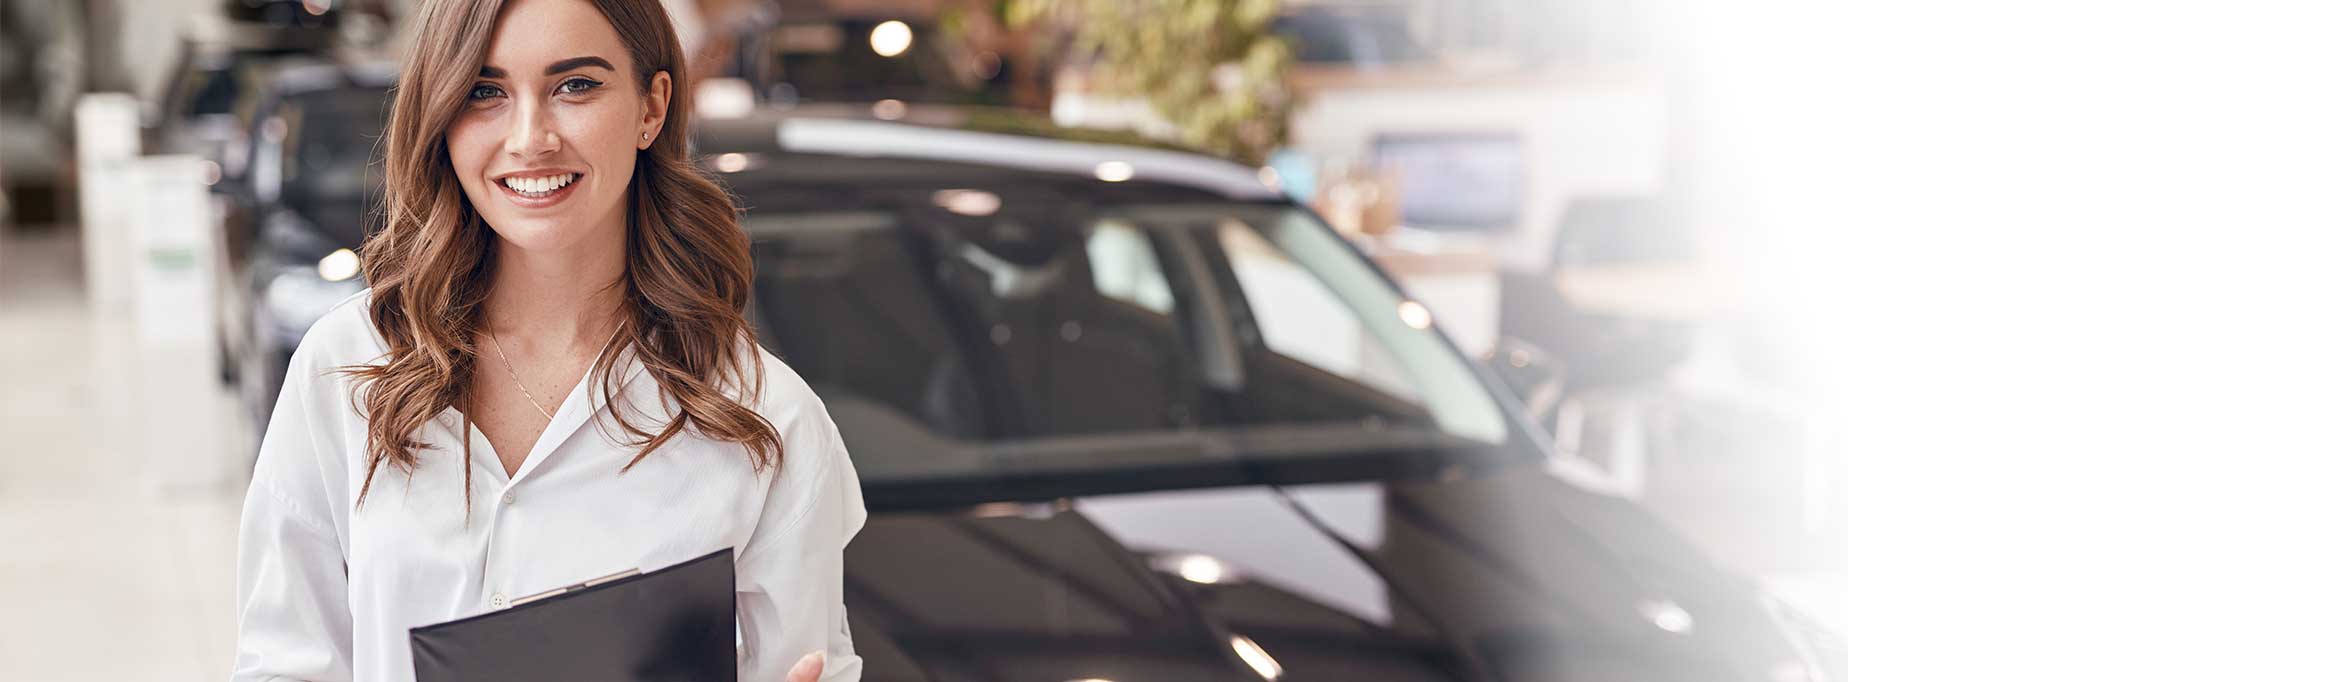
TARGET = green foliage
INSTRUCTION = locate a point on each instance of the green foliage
(1211, 67)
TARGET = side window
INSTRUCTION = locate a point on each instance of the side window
(1300, 317)
(1125, 267)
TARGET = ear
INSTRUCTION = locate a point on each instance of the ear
(656, 108)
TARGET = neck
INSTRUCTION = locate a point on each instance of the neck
(556, 299)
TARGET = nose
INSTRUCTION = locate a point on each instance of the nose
(532, 134)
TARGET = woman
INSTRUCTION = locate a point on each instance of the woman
(550, 260)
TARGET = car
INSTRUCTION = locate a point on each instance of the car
(1128, 413)
(301, 201)
(196, 112)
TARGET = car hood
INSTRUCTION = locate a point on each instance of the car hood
(1509, 576)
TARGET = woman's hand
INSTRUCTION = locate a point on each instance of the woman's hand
(808, 668)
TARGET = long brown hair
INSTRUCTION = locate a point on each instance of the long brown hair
(687, 276)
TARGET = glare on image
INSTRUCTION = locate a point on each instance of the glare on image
(1114, 171)
(1414, 314)
(1256, 657)
(969, 202)
(1667, 616)
(1201, 569)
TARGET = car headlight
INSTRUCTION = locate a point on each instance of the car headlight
(1821, 652)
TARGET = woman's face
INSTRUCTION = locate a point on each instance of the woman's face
(549, 134)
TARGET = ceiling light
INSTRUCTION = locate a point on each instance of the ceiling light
(891, 38)
(338, 266)
(1114, 171)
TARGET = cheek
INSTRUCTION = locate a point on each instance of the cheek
(606, 134)
(471, 143)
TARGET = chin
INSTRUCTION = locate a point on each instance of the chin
(539, 233)
(551, 231)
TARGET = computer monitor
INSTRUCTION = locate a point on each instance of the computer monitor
(1455, 182)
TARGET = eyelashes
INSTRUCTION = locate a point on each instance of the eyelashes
(584, 84)
(571, 86)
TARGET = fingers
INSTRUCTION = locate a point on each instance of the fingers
(808, 668)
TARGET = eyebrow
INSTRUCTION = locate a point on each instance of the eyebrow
(556, 68)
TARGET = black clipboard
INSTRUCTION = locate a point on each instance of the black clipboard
(673, 624)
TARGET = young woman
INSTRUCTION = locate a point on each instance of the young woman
(550, 380)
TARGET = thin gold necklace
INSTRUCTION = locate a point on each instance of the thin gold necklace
(518, 379)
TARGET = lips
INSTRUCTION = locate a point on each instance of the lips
(538, 189)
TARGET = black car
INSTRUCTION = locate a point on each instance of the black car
(1129, 414)
(300, 202)
(216, 65)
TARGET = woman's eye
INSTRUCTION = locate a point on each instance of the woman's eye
(576, 86)
(481, 92)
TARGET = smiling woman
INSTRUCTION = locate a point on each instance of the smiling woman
(549, 259)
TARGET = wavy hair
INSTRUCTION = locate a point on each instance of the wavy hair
(687, 277)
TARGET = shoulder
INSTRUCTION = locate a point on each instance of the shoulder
(784, 397)
(818, 474)
(340, 338)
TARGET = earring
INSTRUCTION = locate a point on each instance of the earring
(647, 135)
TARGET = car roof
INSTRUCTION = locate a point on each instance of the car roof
(303, 76)
(976, 136)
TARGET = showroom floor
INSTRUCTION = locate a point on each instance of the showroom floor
(119, 560)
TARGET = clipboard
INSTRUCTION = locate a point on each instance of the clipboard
(676, 624)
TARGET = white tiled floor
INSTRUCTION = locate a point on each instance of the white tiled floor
(120, 480)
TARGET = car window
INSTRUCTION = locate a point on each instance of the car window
(1061, 324)
(1126, 268)
(1300, 318)
(331, 142)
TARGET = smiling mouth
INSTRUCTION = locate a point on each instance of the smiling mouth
(539, 187)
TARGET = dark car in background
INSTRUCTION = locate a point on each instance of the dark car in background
(1128, 414)
(865, 59)
(215, 66)
(300, 200)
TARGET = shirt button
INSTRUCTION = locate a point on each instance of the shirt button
(509, 498)
(498, 601)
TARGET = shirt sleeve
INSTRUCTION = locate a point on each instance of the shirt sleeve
(788, 594)
(293, 609)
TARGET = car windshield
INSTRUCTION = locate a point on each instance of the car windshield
(331, 136)
(980, 335)
(330, 144)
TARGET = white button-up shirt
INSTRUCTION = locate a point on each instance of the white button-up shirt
(329, 592)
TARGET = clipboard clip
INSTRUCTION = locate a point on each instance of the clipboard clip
(571, 588)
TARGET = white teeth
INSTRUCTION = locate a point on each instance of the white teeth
(540, 185)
